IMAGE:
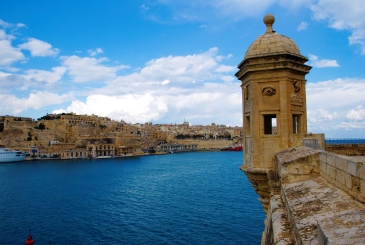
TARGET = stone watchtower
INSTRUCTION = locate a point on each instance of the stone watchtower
(274, 102)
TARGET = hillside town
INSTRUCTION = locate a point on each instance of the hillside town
(69, 136)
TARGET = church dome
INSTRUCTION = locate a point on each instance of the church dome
(271, 42)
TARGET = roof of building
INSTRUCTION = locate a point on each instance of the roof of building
(271, 42)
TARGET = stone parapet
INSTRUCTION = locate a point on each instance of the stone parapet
(346, 173)
(318, 211)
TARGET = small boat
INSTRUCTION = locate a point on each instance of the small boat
(233, 148)
(29, 240)
(101, 157)
(236, 148)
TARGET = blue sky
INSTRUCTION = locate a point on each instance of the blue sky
(166, 61)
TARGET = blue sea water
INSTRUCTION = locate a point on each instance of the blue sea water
(185, 198)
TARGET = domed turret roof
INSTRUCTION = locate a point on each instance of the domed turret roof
(271, 42)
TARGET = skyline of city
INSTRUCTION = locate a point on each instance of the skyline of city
(172, 61)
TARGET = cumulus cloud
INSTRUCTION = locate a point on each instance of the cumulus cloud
(357, 114)
(39, 48)
(168, 89)
(9, 54)
(90, 69)
(343, 15)
(302, 26)
(159, 106)
(14, 105)
(46, 76)
(330, 107)
(315, 62)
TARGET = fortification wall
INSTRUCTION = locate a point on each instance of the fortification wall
(207, 144)
(316, 197)
(346, 173)
(347, 149)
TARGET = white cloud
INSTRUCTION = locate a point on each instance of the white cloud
(225, 68)
(9, 54)
(228, 78)
(313, 61)
(343, 15)
(165, 90)
(39, 48)
(46, 76)
(10, 25)
(357, 114)
(20, 25)
(162, 106)
(302, 26)
(95, 52)
(335, 104)
(5, 24)
(90, 69)
(13, 105)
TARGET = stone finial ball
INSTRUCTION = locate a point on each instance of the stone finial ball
(269, 19)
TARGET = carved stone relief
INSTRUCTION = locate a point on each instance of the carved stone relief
(268, 90)
(296, 85)
(296, 100)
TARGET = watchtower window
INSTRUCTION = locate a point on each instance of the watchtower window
(270, 124)
(296, 124)
(247, 125)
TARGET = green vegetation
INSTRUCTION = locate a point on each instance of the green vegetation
(41, 126)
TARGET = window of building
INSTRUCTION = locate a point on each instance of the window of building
(270, 126)
(247, 125)
(296, 124)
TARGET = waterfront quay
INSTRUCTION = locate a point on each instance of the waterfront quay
(72, 136)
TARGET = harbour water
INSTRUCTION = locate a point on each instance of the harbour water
(185, 198)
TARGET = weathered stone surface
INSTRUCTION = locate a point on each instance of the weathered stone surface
(297, 163)
(348, 228)
(311, 201)
(352, 167)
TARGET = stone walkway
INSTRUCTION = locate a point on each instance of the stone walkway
(323, 213)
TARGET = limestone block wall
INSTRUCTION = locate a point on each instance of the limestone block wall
(344, 173)
(207, 144)
(347, 149)
(315, 199)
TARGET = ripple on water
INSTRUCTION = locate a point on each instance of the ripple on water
(188, 198)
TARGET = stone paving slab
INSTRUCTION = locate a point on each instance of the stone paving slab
(313, 201)
(348, 228)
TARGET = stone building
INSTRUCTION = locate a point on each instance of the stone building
(273, 99)
(310, 196)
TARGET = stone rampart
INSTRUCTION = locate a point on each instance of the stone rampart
(347, 149)
(207, 144)
(316, 197)
(346, 173)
